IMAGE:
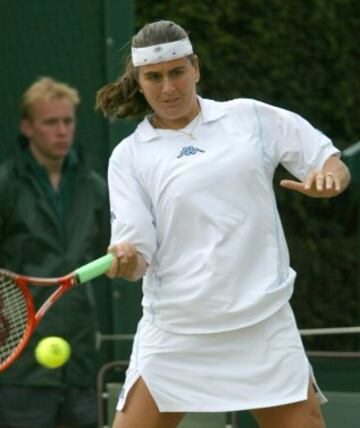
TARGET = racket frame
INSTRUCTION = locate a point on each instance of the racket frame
(33, 318)
(83, 274)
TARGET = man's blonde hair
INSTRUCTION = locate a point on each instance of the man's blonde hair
(46, 88)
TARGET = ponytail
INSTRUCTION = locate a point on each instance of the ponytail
(122, 98)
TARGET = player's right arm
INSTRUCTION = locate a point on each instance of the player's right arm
(133, 234)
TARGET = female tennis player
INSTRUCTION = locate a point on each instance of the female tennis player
(193, 211)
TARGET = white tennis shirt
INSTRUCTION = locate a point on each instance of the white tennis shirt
(203, 213)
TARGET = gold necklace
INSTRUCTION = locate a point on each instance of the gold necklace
(188, 134)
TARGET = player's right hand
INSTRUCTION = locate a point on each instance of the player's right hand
(125, 261)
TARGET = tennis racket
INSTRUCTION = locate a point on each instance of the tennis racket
(18, 319)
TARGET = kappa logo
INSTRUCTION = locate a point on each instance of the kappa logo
(189, 150)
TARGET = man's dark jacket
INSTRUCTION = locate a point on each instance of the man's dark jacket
(32, 242)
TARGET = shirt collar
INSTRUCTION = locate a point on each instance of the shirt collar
(210, 110)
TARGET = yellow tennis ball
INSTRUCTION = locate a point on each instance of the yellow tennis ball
(52, 352)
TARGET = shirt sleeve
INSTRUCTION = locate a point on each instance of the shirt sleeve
(130, 205)
(290, 140)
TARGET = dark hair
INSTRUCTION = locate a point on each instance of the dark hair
(122, 97)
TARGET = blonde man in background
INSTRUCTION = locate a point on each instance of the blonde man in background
(53, 218)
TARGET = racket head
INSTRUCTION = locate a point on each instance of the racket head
(17, 312)
(17, 317)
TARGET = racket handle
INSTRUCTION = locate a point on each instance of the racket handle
(94, 268)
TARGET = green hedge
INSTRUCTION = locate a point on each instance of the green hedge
(303, 56)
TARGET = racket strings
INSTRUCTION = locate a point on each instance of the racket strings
(13, 317)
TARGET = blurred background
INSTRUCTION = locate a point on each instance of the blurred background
(302, 55)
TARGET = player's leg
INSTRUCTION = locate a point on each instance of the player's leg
(304, 414)
(140, 411)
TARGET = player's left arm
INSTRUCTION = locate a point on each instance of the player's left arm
(330, 181)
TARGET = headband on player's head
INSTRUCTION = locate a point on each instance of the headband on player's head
(161, 53)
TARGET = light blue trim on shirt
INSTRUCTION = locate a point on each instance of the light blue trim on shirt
(261, 136)
(266, 158)
(158, 283)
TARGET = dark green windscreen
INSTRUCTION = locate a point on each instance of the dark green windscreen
(66, 40)
(80, 42)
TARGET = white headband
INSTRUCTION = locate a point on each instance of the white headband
(161, 53)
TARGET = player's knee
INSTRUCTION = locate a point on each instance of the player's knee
(317, 420)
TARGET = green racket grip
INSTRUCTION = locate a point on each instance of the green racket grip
(94, 268)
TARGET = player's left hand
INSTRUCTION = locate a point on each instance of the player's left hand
(331, 180)
(317, 184)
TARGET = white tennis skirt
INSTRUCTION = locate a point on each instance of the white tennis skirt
(263, 365)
